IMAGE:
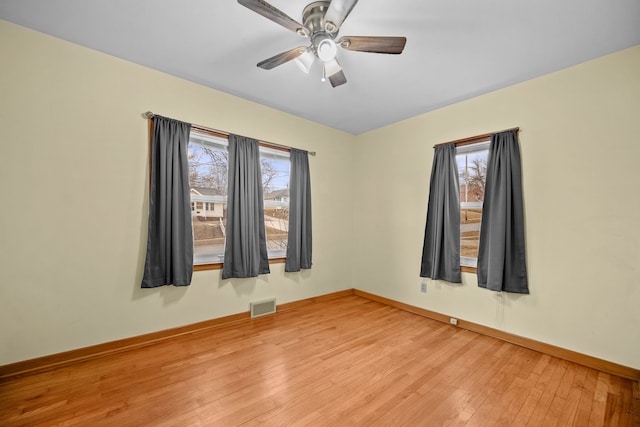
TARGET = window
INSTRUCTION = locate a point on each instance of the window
(275, 190)
(472, 171)
(208, 171)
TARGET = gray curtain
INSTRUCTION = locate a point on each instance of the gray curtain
(169, 258)
(501, 254)
(441, 250)
(245, 252)
(299, 240)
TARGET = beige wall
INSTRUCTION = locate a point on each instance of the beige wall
(580, 146)
(73, 142)
(74, 145)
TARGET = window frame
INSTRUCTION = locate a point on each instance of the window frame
(224, 142)
(475, 140)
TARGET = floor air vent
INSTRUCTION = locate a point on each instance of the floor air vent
(261, 308)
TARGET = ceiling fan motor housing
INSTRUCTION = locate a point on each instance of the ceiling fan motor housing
(313, 16)
(322, 41)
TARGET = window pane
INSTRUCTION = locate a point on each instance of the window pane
(275, 183)
(472, 171)
(208, 165)
(469, 235)
(209, 234)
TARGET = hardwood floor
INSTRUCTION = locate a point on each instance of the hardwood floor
(348, 361)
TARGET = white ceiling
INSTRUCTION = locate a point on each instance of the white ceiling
(456, 49)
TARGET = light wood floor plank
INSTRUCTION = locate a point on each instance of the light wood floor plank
(345, 361)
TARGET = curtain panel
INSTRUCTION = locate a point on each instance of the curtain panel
(245, 253)
(501, 253)
(441, 249)
(299, 239)
(169, 257)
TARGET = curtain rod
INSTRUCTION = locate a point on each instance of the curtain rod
(472, 139)
(150, 115)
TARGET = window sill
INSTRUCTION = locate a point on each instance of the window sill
(218, 265)
(466, 269)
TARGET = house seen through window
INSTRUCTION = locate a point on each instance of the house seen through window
(472, 171)
(208, 173)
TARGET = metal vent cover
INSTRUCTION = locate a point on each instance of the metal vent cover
(262, 308)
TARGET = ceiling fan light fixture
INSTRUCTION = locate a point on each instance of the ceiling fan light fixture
(305, 60)
(327, 50)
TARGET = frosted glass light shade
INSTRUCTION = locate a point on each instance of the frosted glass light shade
(327, 50)
(305, 61)
(331, 67)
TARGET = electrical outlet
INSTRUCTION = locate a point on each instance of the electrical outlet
(453, 320)
(423, 287)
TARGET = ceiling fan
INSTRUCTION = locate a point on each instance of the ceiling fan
(321, 21)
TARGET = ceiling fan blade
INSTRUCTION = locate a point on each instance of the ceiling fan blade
(394, 45)
(275, 14)
(336, 14)
(281, 58)
(333, 71)
(338, 79)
